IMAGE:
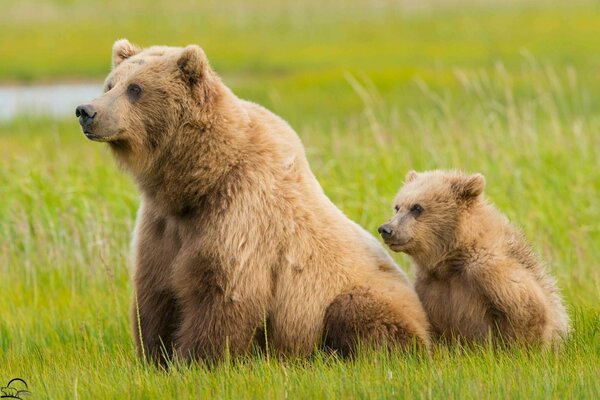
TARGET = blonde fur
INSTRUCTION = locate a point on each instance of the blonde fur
(234, 232)
(476, 275)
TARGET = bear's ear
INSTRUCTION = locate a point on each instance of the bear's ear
(470, 186)
(192, 64)
(122, 50)
(411, 176)
(194, 68)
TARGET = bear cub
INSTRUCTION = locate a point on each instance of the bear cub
(477, 277)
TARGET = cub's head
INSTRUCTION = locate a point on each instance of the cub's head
(147, 96)
(428, 209)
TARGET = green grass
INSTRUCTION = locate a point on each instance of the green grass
(372, 93)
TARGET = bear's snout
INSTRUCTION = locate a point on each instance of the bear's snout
(385, 231)
(86, 114)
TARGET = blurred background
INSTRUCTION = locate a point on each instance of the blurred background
(373, 88)
(288, 54)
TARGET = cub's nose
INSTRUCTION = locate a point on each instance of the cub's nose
(86, 114)
(385, 231)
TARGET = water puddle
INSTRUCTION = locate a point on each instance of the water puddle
(55, 100)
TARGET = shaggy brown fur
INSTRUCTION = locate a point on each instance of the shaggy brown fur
(360, 317)
(234, 232)
(477, 277)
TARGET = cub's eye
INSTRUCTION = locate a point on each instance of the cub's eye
(416, 209)
(109, 87)
(134, 91)
(396, 208)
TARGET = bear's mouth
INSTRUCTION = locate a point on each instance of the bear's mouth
(397, 246)
(98, 138)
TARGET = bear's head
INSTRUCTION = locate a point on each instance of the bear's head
(428, 210)
(149, 95)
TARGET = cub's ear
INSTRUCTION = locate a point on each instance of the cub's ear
(470, 186)
(122, 50)
(411, 176)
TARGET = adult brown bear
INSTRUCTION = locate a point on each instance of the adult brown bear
(234, 232)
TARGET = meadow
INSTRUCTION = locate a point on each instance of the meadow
(373, 88)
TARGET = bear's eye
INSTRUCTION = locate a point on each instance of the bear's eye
(109, 87)
(416, 209)
(396, 208)
(134, 91)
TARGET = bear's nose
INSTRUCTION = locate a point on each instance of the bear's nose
(86, 114)
(385, 231)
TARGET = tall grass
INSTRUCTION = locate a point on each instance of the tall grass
(66, 214)
(374, 88)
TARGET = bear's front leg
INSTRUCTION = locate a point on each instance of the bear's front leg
(212, 330)
(221, 311)
(155, 313)
(154, 317)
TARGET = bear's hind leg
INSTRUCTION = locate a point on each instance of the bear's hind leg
(360, 318)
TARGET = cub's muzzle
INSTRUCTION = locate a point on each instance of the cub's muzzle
(385, 231)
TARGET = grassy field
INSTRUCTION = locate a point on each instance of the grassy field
(373, 89)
